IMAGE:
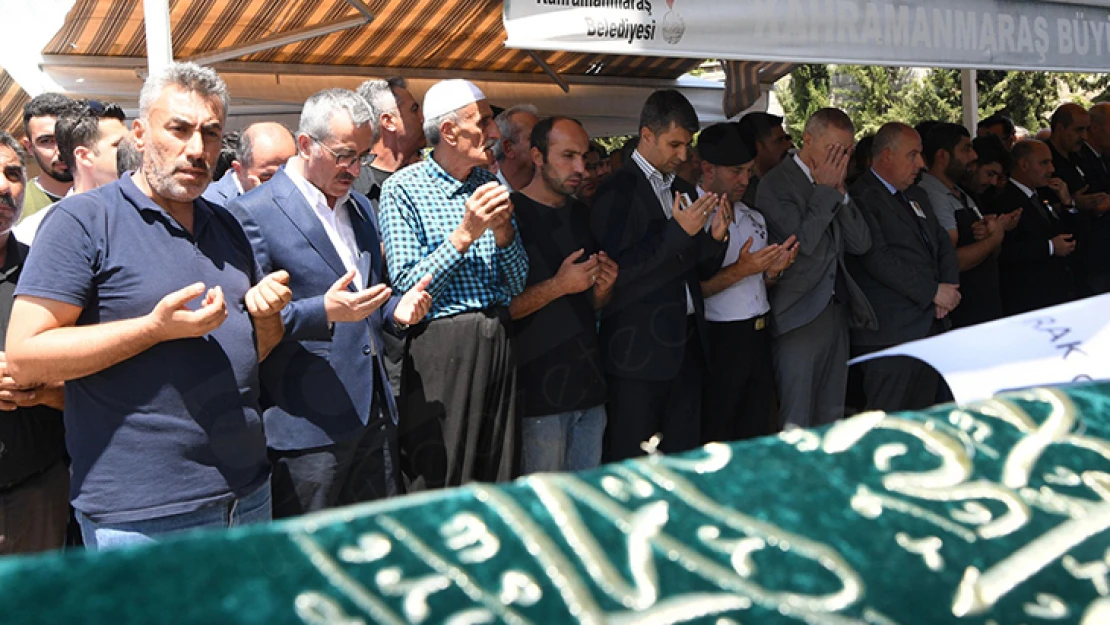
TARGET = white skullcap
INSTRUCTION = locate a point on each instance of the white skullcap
(450, 95)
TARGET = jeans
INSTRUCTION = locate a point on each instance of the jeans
(569, 441)
(253, 508)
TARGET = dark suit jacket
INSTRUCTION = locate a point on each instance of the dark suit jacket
(908, 259)
(222, 191)
(643, 329)
(826, 228)
(1030, 276)
(318, 382)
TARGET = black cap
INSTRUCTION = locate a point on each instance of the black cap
(721, 144)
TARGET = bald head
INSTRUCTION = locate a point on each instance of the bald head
(896, 155)
(1099, 133)
(1032, 163)
(1069, 124)
(263, 148)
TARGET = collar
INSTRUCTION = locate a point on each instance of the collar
(235, 179)
(1093, 150)
(889, 187)
(804, 168)
(1024, 189)
(314, 196)
(649, 170)
(142, 202)
(504, 181)
(48, 194)
(449, 182)
(928, 180)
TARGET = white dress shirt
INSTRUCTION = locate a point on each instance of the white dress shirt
(661, 184)
(748, 297)
(336, 222)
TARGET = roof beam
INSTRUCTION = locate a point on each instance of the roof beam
(547, 69)
(281, 39)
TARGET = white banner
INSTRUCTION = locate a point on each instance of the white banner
(984, 34)
(1058, 345)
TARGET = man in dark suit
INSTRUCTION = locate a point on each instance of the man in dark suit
(910, 275)
(329, 415)
(263, 148)
(813, 304)
(1033, 269)
(1094, 160)
(653, 333)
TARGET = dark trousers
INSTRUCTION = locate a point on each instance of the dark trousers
(739, 386)
(639, 409)
(458, 402)
(34, 514)
(362, 467)
(898, 383)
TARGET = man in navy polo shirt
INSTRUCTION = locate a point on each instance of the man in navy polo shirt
(147, 302)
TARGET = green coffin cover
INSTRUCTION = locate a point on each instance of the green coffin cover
(993, 513)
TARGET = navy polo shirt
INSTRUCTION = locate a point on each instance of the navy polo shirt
(177, 427)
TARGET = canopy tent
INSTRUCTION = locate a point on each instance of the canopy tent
(274, 53)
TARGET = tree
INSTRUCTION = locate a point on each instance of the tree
(868, 93)
(936, 96)
(804, 93)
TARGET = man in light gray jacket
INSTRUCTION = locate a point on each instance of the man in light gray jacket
(814, 303)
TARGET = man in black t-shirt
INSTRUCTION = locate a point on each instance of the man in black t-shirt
(559, 375)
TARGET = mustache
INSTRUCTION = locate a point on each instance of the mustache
(345, 177)
(198, 164)
(7, 201)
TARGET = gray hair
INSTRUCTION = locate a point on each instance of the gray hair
(509, 130)
(188, 77)
(322, 105)
(381, 95)
(827, 118)
(889, 137)
(10, 142)
(431, 126)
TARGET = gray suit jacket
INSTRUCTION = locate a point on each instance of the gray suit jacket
(826, 228)
(909, 257)
(223, 190)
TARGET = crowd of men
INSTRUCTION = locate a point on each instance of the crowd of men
(400, 295)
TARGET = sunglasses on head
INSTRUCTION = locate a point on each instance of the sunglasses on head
(102, 109)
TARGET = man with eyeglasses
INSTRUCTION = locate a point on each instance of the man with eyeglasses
(87, 137)
(329, 413)
(55, 181)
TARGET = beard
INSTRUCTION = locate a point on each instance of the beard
(161, 176)
(48, 169)
(9, 211)
(563, 186)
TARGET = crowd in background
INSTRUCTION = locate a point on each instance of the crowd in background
(405, 295)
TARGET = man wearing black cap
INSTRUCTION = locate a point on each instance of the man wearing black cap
(738, 394)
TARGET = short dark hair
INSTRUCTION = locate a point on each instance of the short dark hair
(943, 136)
(1063, 115)
(598, 149)
(10, 142)
(541, 132)
(990, 149)
(665, 107)
(229, 149)
(924, 127)
(80, 127)
(889, 134)
(755, 127)
(995, 120)
(45, 105)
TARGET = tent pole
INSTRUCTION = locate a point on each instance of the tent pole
(159, 42)
(970, 90)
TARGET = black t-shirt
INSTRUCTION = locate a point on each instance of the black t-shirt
(31, 439)
(558, 360)
(979, 286)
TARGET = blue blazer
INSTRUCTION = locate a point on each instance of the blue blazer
(222, 191)
(318, 383)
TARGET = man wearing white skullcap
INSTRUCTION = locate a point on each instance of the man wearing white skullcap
(449, 217)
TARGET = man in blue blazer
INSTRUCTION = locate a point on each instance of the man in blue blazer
(263, 148)
(329, 414)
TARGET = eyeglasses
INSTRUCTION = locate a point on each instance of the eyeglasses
(347, 158)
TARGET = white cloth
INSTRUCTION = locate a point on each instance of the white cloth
(748, 297)
(450, 95)
(336, 222)
(26, 230)
(661, 184)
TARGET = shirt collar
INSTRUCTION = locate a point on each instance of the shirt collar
(889, 187)
(649, 170)
(238, 184)
(452, 185)
(1024, 189)
(315, 197)
(1094, 151)
(804, 167)
(140, 200)
(13, 258)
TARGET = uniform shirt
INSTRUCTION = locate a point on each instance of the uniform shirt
(177, 427)
(748, 297)
(336, 222)
(421, 205)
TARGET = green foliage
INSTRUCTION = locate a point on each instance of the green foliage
(869, 93)
(808, 91)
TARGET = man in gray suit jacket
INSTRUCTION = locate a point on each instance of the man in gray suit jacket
(813, 302)
(910, 274)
